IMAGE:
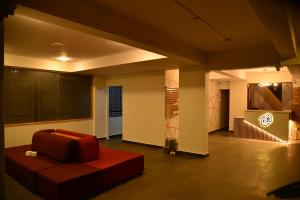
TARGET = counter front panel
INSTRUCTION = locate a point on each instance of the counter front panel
(273, 122)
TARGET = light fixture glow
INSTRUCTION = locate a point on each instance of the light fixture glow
(264, 84)
(63, 58)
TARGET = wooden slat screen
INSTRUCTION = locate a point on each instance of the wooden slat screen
(34, 96)
(171, 102)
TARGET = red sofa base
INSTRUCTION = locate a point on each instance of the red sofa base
(24, 168)
(54, 180)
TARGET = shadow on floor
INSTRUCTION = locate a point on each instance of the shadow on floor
(287, 192)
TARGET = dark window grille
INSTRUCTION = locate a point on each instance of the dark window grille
(35, 96)
(115, 101)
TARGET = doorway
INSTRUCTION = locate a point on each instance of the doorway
(224, 109)
(115, 111)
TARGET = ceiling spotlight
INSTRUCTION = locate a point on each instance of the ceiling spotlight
(63, 58)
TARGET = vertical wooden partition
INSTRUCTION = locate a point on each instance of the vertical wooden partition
(2, 188)
(7, 7)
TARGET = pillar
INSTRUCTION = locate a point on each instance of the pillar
(193, 105)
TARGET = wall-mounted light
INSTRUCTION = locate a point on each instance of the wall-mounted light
(264, 84)
(267, 84)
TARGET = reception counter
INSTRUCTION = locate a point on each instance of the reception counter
(264, 125)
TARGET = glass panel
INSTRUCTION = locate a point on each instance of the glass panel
(270, 96)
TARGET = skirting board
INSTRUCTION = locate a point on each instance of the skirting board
(117, 135)
(101, 138)
(193, 154)
(178, 152)
(217, 130)
(149, 145)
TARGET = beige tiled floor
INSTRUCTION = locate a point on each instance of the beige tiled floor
(237, 168)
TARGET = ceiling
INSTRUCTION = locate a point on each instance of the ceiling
(145, 66)
(236, 19)
(41, 43)
(37, 37)
(241, 74)
(264, 69)
(209, 34)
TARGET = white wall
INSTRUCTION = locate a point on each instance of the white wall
(100, 107)
(193, 117)
(22, 134)
(143, 106)
(115, 126)
(214, 115)
(238, 100)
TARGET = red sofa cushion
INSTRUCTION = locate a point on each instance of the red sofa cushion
(16, 149)
(59, 148)
(23, 168)
(88, 145)
(116, 166)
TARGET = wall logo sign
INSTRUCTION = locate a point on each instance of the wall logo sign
(265, 120)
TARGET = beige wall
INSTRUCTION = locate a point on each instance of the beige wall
(193, 116)
(143, 112)
(214, 115)
(269, 77)
(143, 106)
(238, 100)
(22, 134)
(100, 107)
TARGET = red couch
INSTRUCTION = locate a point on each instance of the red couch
(70, 165)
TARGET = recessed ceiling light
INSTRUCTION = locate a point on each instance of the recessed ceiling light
(63, 58)
(57, 44)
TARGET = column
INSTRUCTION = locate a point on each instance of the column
(193, 105)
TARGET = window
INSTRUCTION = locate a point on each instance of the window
(270, 96)
(34, 96)
(115, 101)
